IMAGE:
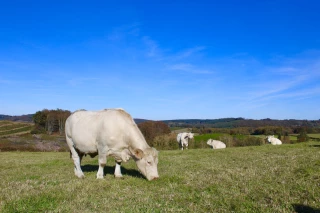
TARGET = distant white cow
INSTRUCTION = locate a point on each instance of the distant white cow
(105, 133)
(183, 139)
(216, 144)
(273, 140)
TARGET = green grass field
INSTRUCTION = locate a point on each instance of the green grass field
(263, 178)
(206, 137)
(314, 135)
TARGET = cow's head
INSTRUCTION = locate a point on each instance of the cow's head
(147, 162)
(190, 135)
(269, 138)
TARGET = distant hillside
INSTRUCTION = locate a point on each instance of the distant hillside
(10, 128)
(209, 123)
(28, 118)
(139, 120)
(23, 118)
(240, 122)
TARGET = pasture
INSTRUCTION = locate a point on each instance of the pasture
(9, 128)
(263, 178)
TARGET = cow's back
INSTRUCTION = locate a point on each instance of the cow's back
(83, 128)
(276, 141)
(218, 144)
(111, 128)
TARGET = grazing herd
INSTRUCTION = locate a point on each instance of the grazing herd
(113, 132)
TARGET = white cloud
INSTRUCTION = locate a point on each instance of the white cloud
(189, 52)
(185, 67)
(152, 47)
(79, 81)
(121, 32)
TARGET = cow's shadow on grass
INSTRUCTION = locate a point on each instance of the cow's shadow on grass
(318, 146)
(299, 208)
(109, 170)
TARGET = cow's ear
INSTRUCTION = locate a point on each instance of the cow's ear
(156, 151)
(137, 153)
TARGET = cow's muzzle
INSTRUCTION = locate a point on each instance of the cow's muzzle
(153, 178)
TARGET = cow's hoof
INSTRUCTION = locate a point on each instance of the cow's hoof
(81, 176)
(118, 176)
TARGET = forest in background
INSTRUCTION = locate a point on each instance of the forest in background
(240, 122)
(204, 123)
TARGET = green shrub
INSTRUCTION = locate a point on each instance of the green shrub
(165, 142)
(248, 141)
(302, 137)
(227, 139)
(152, 129)
(38, 130)
(286, 140)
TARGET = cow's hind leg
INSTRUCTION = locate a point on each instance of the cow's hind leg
(76, 156)
(181, 145)
(117, 170)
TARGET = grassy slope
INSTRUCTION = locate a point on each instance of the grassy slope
(314, 135)
(248, 179)
(9, 128)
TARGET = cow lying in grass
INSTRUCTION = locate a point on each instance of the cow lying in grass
(274, 141)
(216, 144)
(183, 139)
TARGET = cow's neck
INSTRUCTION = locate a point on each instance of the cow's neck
(137, 141)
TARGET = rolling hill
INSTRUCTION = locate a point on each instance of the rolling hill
(209, 123)
(22, 118)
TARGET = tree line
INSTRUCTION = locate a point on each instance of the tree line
(50, 121)
(152, 129)
(241, 122)
(263, 130)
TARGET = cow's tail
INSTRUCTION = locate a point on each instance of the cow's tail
(179, 138)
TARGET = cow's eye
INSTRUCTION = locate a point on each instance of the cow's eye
(149, 162)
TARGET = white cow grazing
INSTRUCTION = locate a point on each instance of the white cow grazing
(216, 144)
(273, 140)
(183, 139)
(110, 132)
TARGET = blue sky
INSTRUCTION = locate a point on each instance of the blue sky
(162, 60)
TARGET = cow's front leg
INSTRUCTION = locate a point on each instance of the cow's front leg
(186, 146)
(102, 164)
(117, 170)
